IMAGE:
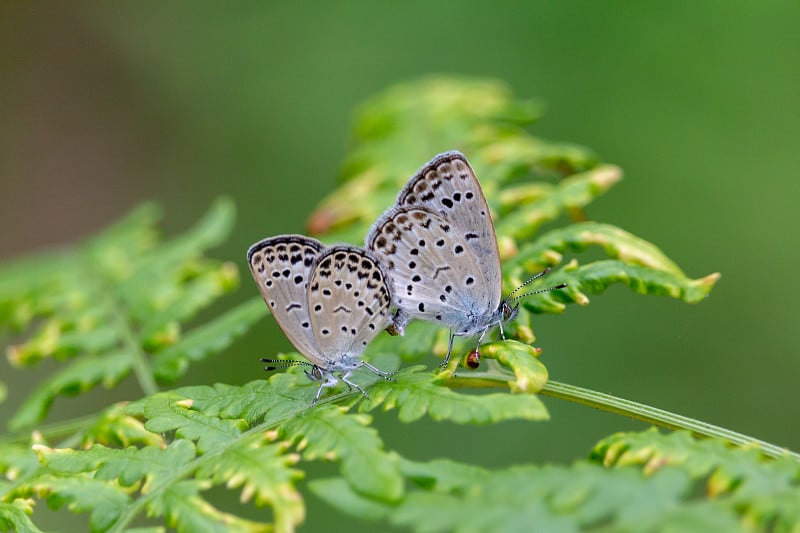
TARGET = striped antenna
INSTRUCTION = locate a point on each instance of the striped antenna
(544, 272)
(284, 363)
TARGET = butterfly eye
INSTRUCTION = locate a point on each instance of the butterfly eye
(509, 313)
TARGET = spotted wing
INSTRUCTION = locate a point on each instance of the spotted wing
(348, 301)
(447, 185)
(281, 267)
(433, 271)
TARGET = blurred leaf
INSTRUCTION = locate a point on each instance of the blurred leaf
(447, 496)
(103, 307)
(14, 516)
(212, 337)
(547, 250)
(81, 494)
(184, 509)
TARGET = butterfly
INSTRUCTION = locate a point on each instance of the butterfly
(438, 247)
(329, 301)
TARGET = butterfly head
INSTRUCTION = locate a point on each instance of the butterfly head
(509, 312)
(315, 374)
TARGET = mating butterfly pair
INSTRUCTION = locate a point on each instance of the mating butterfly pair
(433, 256)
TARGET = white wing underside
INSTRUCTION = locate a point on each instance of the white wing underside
(434, 273)
(348, 300)
(330, 302)
(447, 185)
(282, 267)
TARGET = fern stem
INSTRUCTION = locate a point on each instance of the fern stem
(658, 417)
(140, 363)
(52, 431)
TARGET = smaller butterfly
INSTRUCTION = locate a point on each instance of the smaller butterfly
(439, 250)
(329, 301)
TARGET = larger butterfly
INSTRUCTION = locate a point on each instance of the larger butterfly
(439, 250)
(329, 301)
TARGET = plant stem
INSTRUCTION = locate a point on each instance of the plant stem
(620, 406)
(658, 417)
(51, 431)
(139, 360)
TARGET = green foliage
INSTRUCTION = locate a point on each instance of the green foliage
(633, 482)
(103, 308)
(116, 305)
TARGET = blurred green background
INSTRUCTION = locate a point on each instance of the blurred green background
(103, 106)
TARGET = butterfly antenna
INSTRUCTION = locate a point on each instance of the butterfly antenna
(534, 278)
(284, 363)
(548, 289)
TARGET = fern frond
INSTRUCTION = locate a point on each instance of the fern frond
(327, 432)
(212, 337)
(15, 516)
(105, 502)
(103, 307)
(415, 395)
(447, 496)
(185, 510)
(152, 477)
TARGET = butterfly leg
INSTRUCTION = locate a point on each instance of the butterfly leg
(477, 351)
(353, 385)
(502, 333)
(329, 381)
(377, 371)
(449, 350)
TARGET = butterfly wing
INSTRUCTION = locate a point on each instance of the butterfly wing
(434, 273)
(447, 185)
(348, 300)
(282, 267)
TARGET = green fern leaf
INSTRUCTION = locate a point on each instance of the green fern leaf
(81, 494)
(170, 412)
(15, 516)
(185, 510)
(17, 461)
(81, 375)
(597, 276)
(264, 471)
(618, 244)
(740, 490)
(766, 492)
(150, 465)
(573, 192)
(113, 427)
(108, 303)
(326, 432)
(213, 337)
(414, 395)
(254, 463)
